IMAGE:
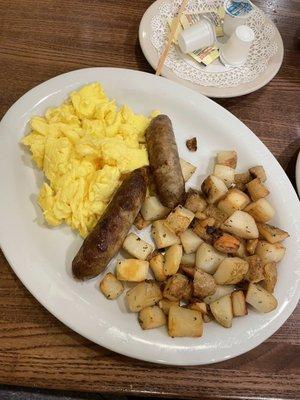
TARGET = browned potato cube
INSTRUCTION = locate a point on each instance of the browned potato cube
(184, 322)
(152, 209)
(241, 224)
(179, 219)
(260, 299)
(111, 287)
(240, 180)
(175, 287)
(257, 189)
(204, 284)
(143, 295)
(157, 267)
(187, 270)
(214, 212)
(188, 259)
(221, 291)
(256, 269)
(228, 158)
(261, 210)
(242, 251)
(208, 259)
(214, 189)
(151, 317)
(258, 172)
(222, 311)
(137, 247)
(162, 235)
(187, 169)
(172, 259)
(225, 173)
(269, 252)
(165, 305)
(234, 200)
(270, 280)
(198, 306)
(271, 233)
(132, 270)
(190, 241)
(188, 292)
(232, 270)
(227, 244)
(251, 245)
(239, 305)
(195, 201)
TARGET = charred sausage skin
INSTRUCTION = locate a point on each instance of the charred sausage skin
(164, 161)
(106, 238)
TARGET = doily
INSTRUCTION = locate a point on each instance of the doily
(262, 49)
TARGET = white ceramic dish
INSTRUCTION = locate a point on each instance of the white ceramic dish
(152, 56)
(298, 173)
(41, 257)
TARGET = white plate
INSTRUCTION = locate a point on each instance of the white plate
(41, 257)
(145, 33)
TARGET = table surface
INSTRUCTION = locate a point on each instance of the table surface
(41, 39)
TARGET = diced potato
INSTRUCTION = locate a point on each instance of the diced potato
(179, 219)
(188, 259)
(257, 189)
(232, 270)
(260, 299)
(258, 172)
(228, 158)
(242, 251)
(111, 287)
(200, 229)
(204, 284)
(208, 259)
(239, 306)
(175, 287)
(162, 235)
(271, 233)
(172, 259)
(184, 322)
(240, 180)
(165, 305)
(132, 270)
(190, 241)
(256, 269)
(195, 202)
(225, 173)
(208, 222)
(188, 292)
(241, 224)
(221, 290)
(270, 280)
(214, 212)
(227, 244)
(234, 200)
(151, 317)
(143, 295)
(214, 189)
(269, 252)
(198, 306)
(152, 209)
(140, 223)
(137, 247)
(261, 210)
(200, 215)
(251, 245)
(187, 169)
(157, 267)
(222, 311)
(186, 270)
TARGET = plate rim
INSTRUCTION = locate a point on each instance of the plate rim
(280, 319)
(210, 91)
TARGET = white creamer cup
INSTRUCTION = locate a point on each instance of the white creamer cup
(198, 36)
(235, 51)
(231, 22)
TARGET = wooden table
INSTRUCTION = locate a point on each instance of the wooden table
(41, 39)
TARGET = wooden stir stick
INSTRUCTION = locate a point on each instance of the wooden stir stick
(173, 29)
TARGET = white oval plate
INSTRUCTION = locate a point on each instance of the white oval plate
(41, 256)
(145, 32)
(298, 173)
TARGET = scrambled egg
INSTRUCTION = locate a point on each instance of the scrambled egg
(84, 146)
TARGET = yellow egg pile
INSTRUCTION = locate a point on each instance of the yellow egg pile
(84, 147)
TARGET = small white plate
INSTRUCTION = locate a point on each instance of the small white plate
(152, 56)
(298, 173)
(41, 257)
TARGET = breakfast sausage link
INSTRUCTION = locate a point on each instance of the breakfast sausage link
(164, 161)
(106, 239)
